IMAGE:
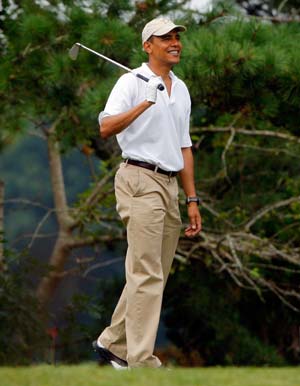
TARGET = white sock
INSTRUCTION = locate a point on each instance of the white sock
(116, 366)
(99, 343)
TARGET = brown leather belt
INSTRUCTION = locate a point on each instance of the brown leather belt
(149, 166)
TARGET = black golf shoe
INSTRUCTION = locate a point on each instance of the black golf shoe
(107, 357)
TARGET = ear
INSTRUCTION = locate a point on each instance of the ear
(147, 47)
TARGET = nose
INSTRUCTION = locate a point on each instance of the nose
(175, 42)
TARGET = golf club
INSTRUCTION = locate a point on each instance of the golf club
(73, 53)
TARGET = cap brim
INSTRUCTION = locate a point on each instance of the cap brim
(166, 29)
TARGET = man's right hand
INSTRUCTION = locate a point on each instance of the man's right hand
(151, 89)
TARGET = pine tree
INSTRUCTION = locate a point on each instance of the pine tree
(244, 80)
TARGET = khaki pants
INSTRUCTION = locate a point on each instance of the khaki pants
(148, 205)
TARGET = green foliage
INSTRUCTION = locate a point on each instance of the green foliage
(280, 9)
(236, 62)
(37, 28)
(241, 74)
(104, 300)
(108, 36)
(84, 318)
(212, 317)
(74, 337)
(22, 335)
(96, 96)
(116, 8)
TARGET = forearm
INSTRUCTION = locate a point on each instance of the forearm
(114, 124)
(187, 173)
(188, 184)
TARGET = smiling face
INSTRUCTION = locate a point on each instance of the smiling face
(164, 50)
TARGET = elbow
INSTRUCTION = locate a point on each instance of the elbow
(104, 133)
(106, 128)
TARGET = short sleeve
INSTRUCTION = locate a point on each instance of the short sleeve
(186, 139)
(121, 97)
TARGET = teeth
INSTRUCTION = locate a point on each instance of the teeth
(174, 52)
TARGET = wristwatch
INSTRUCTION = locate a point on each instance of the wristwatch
(192, 199)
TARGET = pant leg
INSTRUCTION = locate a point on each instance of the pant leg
(143, 200)
(114, 336)
(144, 279)
(172, 228)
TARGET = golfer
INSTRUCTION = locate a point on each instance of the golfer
(152, 129)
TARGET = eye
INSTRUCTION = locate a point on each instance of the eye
(170, 37)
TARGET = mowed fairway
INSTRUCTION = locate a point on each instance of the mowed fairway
(93, 375)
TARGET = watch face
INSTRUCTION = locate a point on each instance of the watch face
(192, 199)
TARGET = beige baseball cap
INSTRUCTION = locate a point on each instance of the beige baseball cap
(158, 27)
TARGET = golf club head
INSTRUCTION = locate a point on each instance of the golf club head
(73, 51)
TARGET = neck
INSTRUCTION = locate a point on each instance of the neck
(160, 70)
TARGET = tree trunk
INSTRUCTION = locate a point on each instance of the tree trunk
(2, 263)
(66, 240)
(61, 250)
(59, 256)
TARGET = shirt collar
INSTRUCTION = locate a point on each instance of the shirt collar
(147, 70)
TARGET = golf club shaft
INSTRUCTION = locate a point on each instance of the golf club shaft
(160, 86)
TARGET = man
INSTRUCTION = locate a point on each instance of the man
(152, 129)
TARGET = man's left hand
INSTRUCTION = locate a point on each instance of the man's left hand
(195, 220)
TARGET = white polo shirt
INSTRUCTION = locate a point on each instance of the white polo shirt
(160, 132)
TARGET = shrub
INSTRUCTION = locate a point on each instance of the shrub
(23, 338)
(203, 313)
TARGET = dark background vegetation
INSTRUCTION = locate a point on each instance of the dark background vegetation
(233, 294)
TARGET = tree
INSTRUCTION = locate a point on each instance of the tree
(22, 330)
(1, 225)
(244, 82)
(276, 10)
(65, 116)
(38, 44)
(245, 127)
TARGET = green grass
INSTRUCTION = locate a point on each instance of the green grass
(93, 375)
